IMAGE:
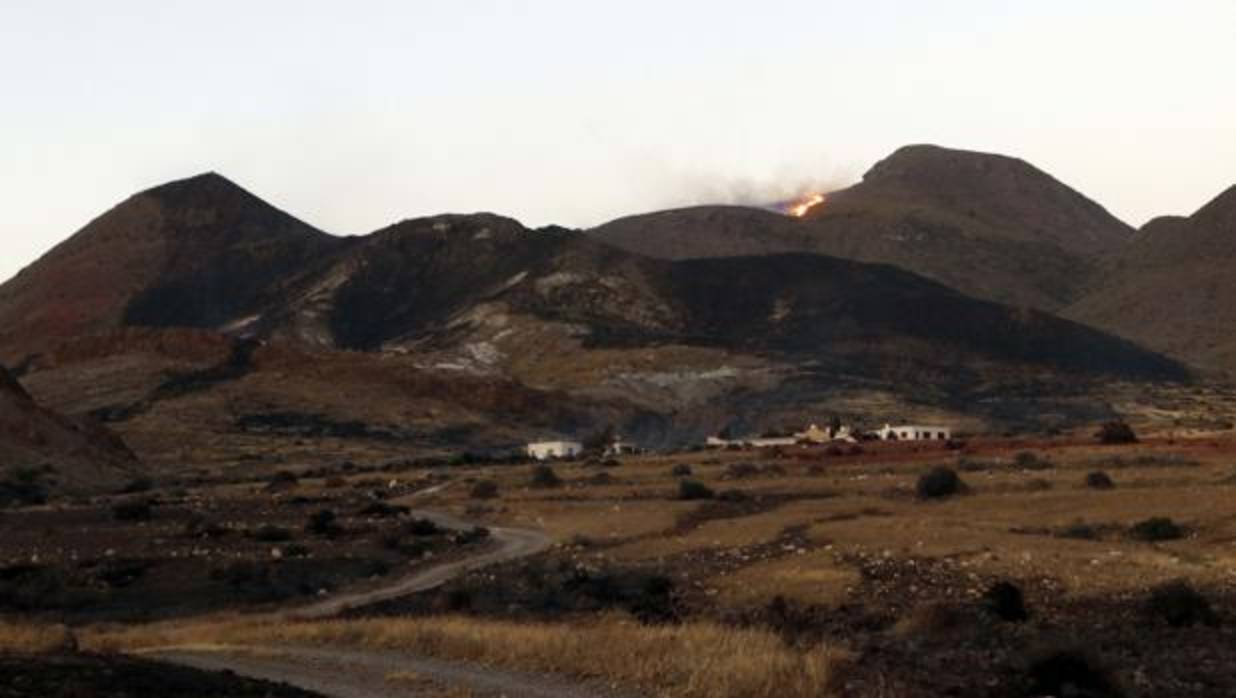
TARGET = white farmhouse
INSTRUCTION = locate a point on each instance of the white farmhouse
(914, 432)
(545, 450)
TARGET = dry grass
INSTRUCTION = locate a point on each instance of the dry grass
(694, 660)
(21, 638)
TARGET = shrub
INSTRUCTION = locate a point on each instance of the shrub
(323, 523)
(132, 511)
(1157, 528)
(475, 534)
(295, 550)
(544, 476)
(1099, 480)
(693, 489)
(1070, 673)
(382, 510)
(422, 527)
(938, 483)
(1180, 605)
(282, 481)
(1078, 531)
(1005, 601)
(681, 470)
(1116, 432)
(272, 534)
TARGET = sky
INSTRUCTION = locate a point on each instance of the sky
(353, 115)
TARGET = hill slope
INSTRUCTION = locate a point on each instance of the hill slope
(993, 227)
(197, 252)
(1173, 288)
(472, 330)
(41, 448)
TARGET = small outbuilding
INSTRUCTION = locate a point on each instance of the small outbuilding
(914, 432)
(549, 450)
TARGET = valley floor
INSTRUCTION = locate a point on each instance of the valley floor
(825, 568)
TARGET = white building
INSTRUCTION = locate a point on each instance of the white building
(914, 432)
(772, 441)
(757, 442)
(545, 450)
(815, 435)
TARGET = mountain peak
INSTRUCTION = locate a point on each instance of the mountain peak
(933, 165)
(1222, 207)
(205, 189)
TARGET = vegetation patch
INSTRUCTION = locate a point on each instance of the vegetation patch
(693, 489)
(939, 483)
(1116, 432)
(1155, 529)
(1099, 480)
(1180, 605)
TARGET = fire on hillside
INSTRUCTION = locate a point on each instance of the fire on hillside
(801, 206)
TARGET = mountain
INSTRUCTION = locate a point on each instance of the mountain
(1173, 288)
(44, 451)
(990, 226)
(707, 231)
(223, 331)
(197, 252)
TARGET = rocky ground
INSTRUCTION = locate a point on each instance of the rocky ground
(90, 676)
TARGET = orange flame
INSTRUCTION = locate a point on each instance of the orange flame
(800, 209)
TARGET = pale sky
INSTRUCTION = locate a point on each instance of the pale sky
(353, 115)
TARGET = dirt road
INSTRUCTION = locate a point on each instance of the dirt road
(507, 544)
(377, 674)
(343, 673)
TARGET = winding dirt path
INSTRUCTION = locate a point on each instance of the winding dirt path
(353, 673)
(507, 544)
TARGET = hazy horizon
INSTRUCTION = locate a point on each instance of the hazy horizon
(354, 117)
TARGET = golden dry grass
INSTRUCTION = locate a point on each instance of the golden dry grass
(692, 660)
(24, 638)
